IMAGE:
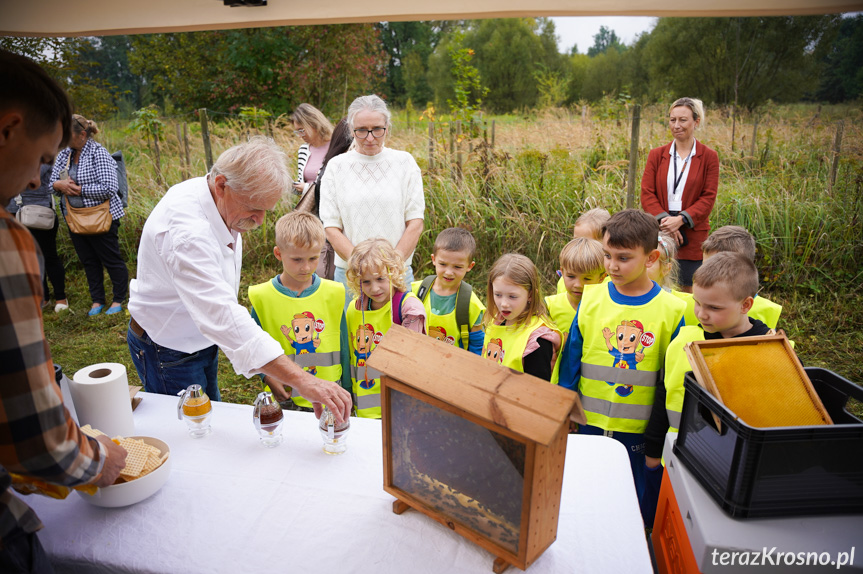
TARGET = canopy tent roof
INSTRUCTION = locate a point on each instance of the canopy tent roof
(106, 17)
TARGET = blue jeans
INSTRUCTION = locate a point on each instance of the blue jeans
(168, 372)
(340, 277)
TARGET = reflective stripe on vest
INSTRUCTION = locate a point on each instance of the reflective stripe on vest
(366, 402)
(615, 410)
(619, 376)
(673, 419)
(357, 372)
(317, 359)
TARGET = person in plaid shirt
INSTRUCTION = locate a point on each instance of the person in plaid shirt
(38, 438)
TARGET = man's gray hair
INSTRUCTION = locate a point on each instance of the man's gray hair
(257, 166)
(370, 103)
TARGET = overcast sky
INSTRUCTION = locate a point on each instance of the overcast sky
(580, 30)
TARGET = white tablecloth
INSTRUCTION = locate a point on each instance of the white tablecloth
(231, 505)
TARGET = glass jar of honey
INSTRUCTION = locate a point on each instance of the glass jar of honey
(196, 408)
(268, 418)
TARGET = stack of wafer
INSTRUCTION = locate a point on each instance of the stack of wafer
(141, 460)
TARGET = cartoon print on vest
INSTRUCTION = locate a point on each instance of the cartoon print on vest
(494, 351)
(364, 344)
(304, 335)
(439, 333)
(625, 351)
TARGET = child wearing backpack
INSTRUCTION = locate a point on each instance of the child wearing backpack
(375, 275)
(454, 311)
(519, 334)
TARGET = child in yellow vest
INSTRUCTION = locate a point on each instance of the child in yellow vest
(735, 239)
(616, 346)
(589, 226)
(723, 289)
(442, 293)
(302, 311)
(376, 278)
(518, 331)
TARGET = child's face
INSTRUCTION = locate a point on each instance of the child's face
(298, 263)
(575, 282)
(625, 265)
(510, 299)
(451, 267)
(717, 311)
(376, 286)
(658, 269)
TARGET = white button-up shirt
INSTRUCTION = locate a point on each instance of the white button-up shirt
(185, 294)
(675, 196)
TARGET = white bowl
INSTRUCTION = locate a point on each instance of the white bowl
(134, 491)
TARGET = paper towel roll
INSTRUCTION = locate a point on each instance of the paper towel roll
(101, 396)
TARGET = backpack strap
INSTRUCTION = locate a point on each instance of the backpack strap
(462, 311)
(398, 299)
(423, 291)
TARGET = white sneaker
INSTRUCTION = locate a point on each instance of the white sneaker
(60, 307)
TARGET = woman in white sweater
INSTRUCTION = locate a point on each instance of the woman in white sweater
(372, 191)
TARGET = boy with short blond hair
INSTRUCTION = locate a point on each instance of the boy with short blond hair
(588, 226)
(454, 311)
(616, 346)
(724, 289)
(735, 239)
(302, 311)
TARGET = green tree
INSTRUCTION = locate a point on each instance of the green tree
(62, 59)
(842, 75)
(605, 40)
(763, 58)
(408, 46)
(467, 85)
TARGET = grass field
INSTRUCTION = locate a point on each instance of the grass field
(525, 193)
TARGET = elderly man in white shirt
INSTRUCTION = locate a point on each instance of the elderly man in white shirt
(184, 303)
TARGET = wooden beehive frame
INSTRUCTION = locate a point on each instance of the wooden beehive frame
(695, 354)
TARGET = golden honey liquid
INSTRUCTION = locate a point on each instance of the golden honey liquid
(197, 406)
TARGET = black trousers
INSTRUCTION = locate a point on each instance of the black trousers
(103, 251)
(54, 269)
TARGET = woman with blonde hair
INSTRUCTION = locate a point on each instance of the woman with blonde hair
(315, 130)
(85, 175)
(679, 186)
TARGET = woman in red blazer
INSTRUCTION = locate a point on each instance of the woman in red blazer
(679, 186)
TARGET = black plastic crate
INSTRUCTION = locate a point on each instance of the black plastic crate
(784, 471)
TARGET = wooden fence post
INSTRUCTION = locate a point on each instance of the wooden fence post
(205, 135)
(186, 149)
(753, 147)
(633, 156)
(458, 143)
(431, 146)
(492, 134)
(837, 148)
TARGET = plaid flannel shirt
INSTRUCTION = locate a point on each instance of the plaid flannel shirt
(97, 176)
(37, 436)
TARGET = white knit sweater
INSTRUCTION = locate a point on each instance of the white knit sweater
(372, 196)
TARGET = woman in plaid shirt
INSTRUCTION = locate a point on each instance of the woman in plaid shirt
(92, 179)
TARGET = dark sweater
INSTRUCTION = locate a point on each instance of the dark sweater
(657, 426)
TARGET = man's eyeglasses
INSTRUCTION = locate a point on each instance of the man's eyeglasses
(363, 133)
(300, 132)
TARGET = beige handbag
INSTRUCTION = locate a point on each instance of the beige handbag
(89, 220)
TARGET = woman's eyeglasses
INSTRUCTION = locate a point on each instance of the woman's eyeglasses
(363, 133)
(300, 132)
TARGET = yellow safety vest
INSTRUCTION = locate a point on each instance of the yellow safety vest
(366, 330)
(312, 341)
(676, 366)
(506, 344)
(765, 310)
(445, 327)
(561, 286)
(561, 311)
(618, 384)
(762, 309)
